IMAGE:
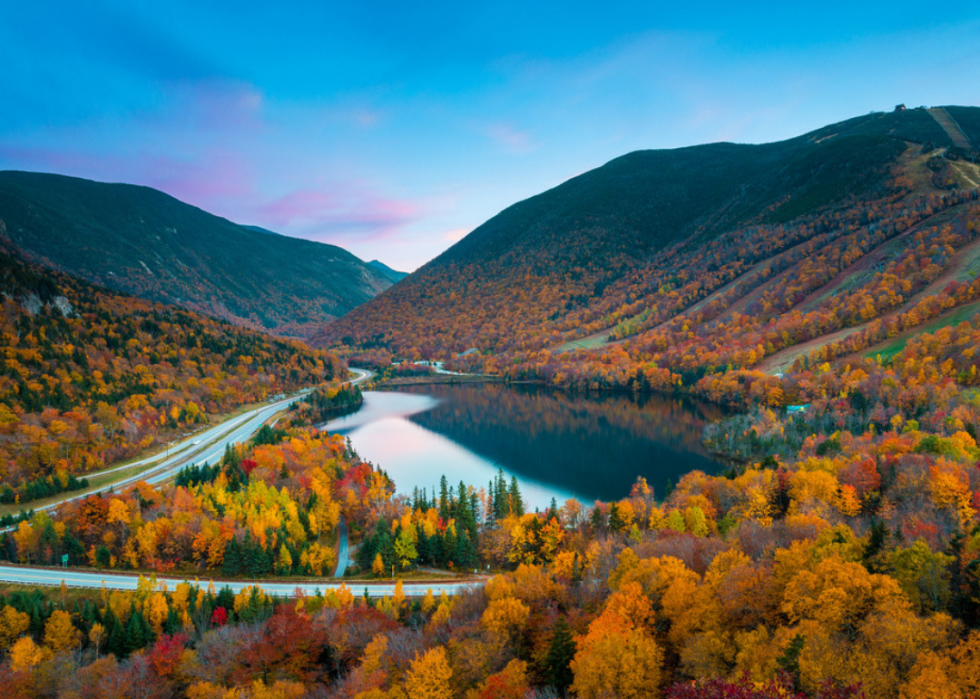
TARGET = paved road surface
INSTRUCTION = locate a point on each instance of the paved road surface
(213, 440)
(362, 374)
(199, 448)
(73, 578)
(233, 431)
(343, 549)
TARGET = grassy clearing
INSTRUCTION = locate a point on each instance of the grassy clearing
(95, 483)
(68, 597)
(889, 351)
(412, 576)
(600, 339)
(107, 480)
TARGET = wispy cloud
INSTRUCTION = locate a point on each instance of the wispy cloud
(339, 211)
(511, 138)
(213, 181)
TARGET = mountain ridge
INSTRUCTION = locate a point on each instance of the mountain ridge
(393, 274)
(142, 241)
(597, 251)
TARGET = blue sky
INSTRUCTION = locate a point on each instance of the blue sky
(393, 129)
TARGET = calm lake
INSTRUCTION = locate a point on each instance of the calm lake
(558, 445)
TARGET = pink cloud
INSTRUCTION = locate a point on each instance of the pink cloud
(339, 211)
(214, 105)
(214, 181)
(512, 139)
(219, 178)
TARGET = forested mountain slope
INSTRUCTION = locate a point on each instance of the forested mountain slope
(144, 242)
(624, 248)
(89, 376)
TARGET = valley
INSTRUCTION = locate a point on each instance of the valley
(717, 436)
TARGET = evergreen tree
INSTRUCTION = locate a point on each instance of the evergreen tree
(115, 633)
(876, 542)
(447, 548)
(232, 565)
(138, 633)
(502, 504)
(491, 502)
(789, 661)
(552, 511)
(225, 598)
(557, 670)
(465, 554)
(73, 547)
(596, 520)
(616, 522)
(367, 551)
(444, 499)
(516, 502)
(173, 624)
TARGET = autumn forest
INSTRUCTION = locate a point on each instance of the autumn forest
(822, 294)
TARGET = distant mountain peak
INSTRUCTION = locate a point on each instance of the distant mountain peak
(144, 242)
(394, 275)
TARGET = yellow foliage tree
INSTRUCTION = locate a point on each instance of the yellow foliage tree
(281, 689)
(12, 625)
(614, 659)
(505, 616)
(429, 676)
(25, 654)
(59, 633)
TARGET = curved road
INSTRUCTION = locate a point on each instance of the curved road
(231, 432)
(74, 578)
(210, 446)
(204, 447)
(343, 549)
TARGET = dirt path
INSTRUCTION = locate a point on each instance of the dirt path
(969, 172)
(965, 265)
(952, 316)
(589, 342)
(880, 254)
(951, 128)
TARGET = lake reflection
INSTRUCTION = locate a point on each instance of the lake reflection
(556, 444)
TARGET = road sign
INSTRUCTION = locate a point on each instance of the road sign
(64, 560)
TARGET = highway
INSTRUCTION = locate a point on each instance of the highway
(210, 446)
(214, 440)
(199, 448)
(53, 577)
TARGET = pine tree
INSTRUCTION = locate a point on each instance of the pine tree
(225, 598)
(516, 502)
(444, 499)
(616, 522)
(491, 502)
(367, 551)
(552, 511)
(576, 570)
(876, 542)
(232, 565)
(115, 633)
(465, 555)
(73, 547)
(447, 547)
(557, 670)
